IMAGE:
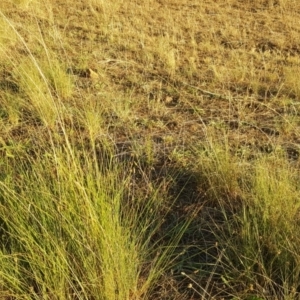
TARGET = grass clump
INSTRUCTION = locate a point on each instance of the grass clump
(252, 217)
(73, 234)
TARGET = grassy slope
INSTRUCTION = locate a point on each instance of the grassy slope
(172, 173)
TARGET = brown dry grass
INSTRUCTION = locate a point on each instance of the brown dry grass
(160, 58)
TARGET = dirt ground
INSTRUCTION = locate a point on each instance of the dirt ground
(229, 67)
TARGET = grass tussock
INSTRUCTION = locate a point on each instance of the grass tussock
(149, 150)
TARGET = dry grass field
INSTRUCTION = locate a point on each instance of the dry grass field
(149, 149)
